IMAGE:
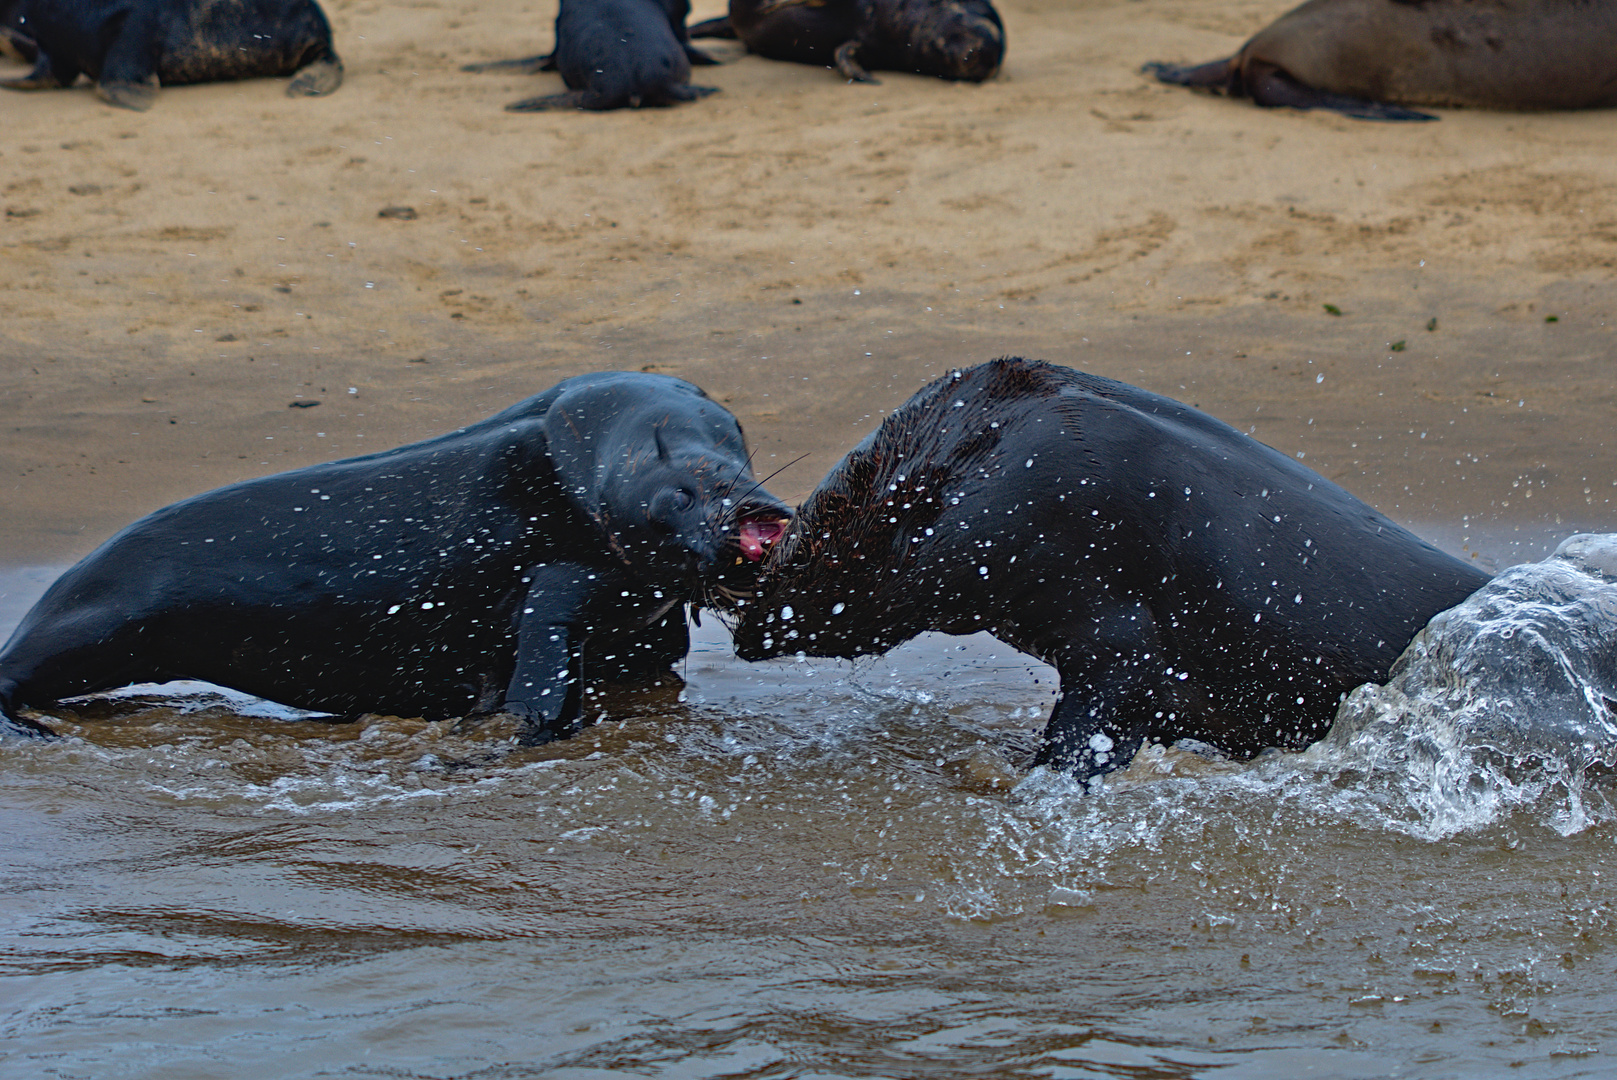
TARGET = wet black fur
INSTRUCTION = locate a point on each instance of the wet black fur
(1184, 579)
(495, 568)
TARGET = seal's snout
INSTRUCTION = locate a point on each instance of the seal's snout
(976, 47)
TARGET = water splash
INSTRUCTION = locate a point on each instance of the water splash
(1507, 701)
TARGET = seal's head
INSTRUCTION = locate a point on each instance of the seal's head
(874, 557)
(962, 40)
(663, 470)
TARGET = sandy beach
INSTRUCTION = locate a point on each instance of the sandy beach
(206, 292)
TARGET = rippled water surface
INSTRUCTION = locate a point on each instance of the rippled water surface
(795, 869)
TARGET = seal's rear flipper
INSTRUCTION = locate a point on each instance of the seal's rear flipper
(1272, 87)
(573, 99)
(714, 28)
(686, 92)
(313, 80)
(528, 65)
(1219, 76)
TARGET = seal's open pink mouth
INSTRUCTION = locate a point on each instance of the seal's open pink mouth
(758, 535)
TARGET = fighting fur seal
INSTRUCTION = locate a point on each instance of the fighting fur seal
(130, 47)
(963, 40)
(1366, 58)
(494, 568)
(615, 54)
(1184, 579)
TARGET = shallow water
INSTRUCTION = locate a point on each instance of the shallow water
(793, 869)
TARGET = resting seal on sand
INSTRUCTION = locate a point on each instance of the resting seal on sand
(495, 568)
(1184, 579)
(130, 47)
(615, 54)
(1365, 58)
(952, 39)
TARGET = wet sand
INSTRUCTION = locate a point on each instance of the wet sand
(810, 252)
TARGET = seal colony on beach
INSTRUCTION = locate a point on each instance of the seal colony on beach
(498, 568)
(1368, 58)
(1185, 580)
(131, 47)
(963, 40)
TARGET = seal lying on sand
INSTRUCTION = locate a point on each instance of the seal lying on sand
(495, 568)
(1184, 579)
(614, 54)
(1365, 58)
(130, 47)
(952, 39)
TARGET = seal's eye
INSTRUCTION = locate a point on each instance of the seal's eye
(683, 499)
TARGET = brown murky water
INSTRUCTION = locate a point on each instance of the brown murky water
(794, 869)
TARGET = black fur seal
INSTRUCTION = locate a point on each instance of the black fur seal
(130, 47)
(615, 54)
(963, 40)
(1184, 579)
(494, 568)
(1366, 58)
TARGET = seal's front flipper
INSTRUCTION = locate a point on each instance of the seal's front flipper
(1097, 726)
(47, 75)
(573, 99)
(714, 28)
(528, 65)
(128, 75)
(547, 682)
(849, 67)
(317, 78)
(138, 96)
(641, 656)
(1219, 76)
(1107, 700)
(698, 58)
(1273, 87)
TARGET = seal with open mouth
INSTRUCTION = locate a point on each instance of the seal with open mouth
(495, 568)
(1185, 580)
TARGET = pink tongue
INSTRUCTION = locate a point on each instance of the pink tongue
(758, 534)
